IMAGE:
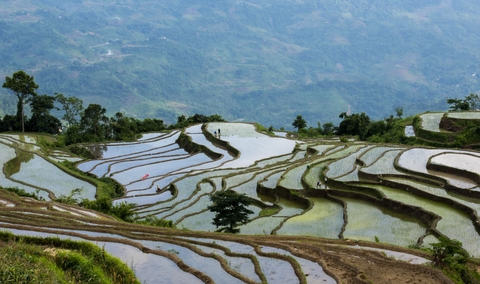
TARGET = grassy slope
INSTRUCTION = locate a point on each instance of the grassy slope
(51, 260)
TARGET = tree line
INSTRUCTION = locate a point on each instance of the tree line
(90, 124)
(360, 125)
(78, 124)
(388, 130)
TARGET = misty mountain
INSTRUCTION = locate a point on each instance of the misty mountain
(261, 60)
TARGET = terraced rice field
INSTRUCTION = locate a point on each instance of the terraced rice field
(464, 115)
(272, 169)
(431, 121)
(374, 193)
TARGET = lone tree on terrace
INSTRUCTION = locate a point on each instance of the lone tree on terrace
(299, 123)
(230, 209)
(23, 87)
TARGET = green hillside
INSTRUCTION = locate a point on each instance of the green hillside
(263, 60)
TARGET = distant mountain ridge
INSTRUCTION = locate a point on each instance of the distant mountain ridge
(263, 60)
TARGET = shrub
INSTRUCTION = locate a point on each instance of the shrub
(82, 152)
(156, 222)
(123, 211)
(21, 192)
(449, 256)
(230, 209)
(72, 198)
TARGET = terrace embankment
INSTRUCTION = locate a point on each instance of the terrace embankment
(450, 124)
(191, 147)
(220, 143)
(283, 192)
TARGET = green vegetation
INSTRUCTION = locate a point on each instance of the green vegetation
(21, 192)
(470, 102)
(299, 123)
(23, 87)
(389, 130)
(51, 260)
(156, 222)
(269, 211)
(13, 166)
(449, 256)
(94, 126)
(123, 210)
(183, 121)
(230, 209)
(106, 187)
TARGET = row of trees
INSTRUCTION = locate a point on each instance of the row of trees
(24, 88)
(387, 130)
(470, 102)
(82, 124)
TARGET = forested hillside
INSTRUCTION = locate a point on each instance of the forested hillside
(262, 60)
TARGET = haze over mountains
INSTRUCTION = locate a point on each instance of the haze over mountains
(261, 60)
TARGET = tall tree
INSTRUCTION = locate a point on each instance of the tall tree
(299, 123)
(470, 102)
(23, 87)
(72, 106)
(355, 124)
(473, 101)
(42, 120)
(230, 209)
(93, 122)
(328, 128)
(399, 111)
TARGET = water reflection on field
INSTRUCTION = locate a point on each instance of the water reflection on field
(124, 148)
(57, 181)
(158, 169)
(325, 220)
(368, 222)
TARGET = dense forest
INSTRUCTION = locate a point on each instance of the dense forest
(258, 61)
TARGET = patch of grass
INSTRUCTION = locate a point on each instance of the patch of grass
(269, 211)
(21, 192)
(106, 187)
(82, 152)
(24, 263)
(52, 260)
(123, 211)
(156, 222)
